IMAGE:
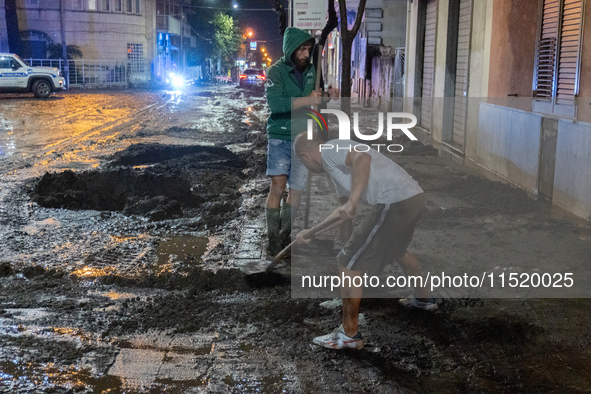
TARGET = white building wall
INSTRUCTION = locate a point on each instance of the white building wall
(509, 144)
(100, 35)
(572, 177)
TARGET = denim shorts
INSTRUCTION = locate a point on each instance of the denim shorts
(281, 161)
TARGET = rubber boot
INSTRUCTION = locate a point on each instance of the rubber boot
(273, 229)
(285, 229)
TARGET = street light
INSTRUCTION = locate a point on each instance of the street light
(235, 5)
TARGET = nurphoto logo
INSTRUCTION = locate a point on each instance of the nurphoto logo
(345, 129)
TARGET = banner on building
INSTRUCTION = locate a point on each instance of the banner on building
(309, 14)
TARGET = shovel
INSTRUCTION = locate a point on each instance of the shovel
(257, 267)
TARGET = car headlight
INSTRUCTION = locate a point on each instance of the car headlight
(178, 81)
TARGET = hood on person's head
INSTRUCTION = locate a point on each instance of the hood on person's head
(292, 40)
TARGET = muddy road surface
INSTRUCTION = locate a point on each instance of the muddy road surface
(125, 214)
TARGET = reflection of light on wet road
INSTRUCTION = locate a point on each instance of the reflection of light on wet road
(118, 296)
(175, 96)
(23, 374)
(91, 272)
(7, 140)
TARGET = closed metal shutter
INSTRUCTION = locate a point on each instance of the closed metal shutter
(428, 64)
(462, 72)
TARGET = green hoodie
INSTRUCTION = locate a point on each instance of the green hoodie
(281, 87)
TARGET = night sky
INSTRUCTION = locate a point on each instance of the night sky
(264, 24)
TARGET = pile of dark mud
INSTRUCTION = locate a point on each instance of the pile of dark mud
(153, 180)
(483, 197)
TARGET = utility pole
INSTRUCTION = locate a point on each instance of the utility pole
(64, 48)
(182, 59)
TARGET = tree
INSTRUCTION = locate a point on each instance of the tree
(54, 51)
(226, 39)
(12, 31)
(347, 37)
(199, 19)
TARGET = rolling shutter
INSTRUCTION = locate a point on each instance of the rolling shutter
(462, 68)
(428, 64)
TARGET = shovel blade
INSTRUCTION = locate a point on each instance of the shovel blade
(255, 267)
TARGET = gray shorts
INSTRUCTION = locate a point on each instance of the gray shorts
(382, 236)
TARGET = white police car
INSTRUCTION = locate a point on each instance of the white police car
(17, 77)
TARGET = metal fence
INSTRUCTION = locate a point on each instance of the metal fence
(99, 73)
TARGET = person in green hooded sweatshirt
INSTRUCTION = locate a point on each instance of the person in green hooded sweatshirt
(291, 80)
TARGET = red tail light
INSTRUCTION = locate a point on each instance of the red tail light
(242, 76)
(261, 77)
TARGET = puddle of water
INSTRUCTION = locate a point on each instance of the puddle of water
(70, 332)
(118, 296)
(180, 248)
(27, 313)
(52, 375)
(246, 347)
(204, 350)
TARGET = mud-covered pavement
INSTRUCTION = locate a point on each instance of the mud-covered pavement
(123, 217)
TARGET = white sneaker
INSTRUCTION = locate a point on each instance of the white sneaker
(413, 303)
(339, 340)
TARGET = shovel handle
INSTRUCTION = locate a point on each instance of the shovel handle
(318, 67)
(313, 231)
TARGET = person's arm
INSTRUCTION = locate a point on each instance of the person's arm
(274, 90)
(313, 99)
(300, 237)
(278, 102)
(360, 163)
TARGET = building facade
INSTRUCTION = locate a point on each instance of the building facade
(103, 29)
(3, 35)
(379, 43)
(504, 86)
(154, 35)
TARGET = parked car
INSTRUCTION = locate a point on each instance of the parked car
(252, 77)
(17, 77)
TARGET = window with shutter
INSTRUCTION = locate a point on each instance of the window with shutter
(556, 79)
